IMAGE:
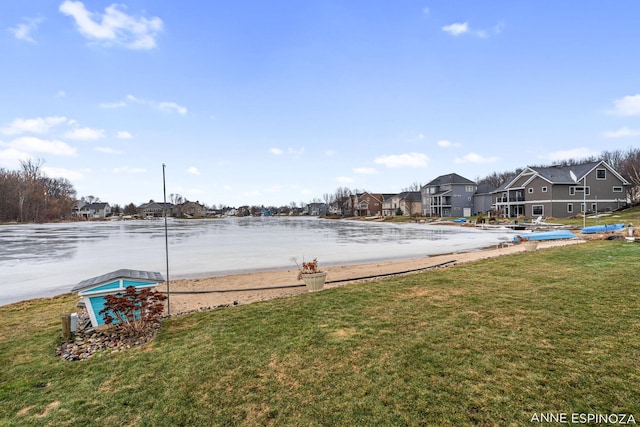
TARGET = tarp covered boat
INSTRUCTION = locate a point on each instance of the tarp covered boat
(546, 235)
(604, 228)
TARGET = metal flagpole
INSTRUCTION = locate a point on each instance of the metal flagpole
(166, 239)
(584, 202)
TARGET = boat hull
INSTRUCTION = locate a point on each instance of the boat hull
(605, 228)
(546, 235)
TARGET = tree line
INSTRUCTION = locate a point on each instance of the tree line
(28, 195)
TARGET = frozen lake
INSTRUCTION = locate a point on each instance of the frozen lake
(38, 260)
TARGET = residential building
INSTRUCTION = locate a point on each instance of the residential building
(86, 210)
(155, 209)
(406, 203)
(448, 195)
(191, 210)
(562, 191)
(316, 209)
(367, 204)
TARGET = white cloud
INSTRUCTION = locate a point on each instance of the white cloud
(107, 150)
(621, 133)
(575, 153)
(166, 106)
(114, 26)
(31, 144)
(425, 10)
(23, 30)
(127, 169)
(134, 99)
(85, 134)
(459, 29)
(62, 93)
(172, 107)
(445, 143)
(11, 158)
(413, 160)
(475, 158)
(627, 106)
(110, 105)
(329, 153)
(123, 134)
(456, 29)
(193, 170)
(275, 151)
(344, 179)
(38, 125)
(62, 173)
(365, 171)
(298, 151)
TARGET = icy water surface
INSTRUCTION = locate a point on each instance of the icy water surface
(39, 260)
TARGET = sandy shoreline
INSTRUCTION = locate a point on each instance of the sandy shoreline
(241, 288)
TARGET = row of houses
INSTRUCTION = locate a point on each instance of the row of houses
(96, 210)
(555, 191)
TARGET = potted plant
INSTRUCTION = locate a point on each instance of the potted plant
(311, 275)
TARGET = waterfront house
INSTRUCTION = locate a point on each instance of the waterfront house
(155, 209)
(448, 195)
(368, 204)
(82, 209)
(93, 291)
(562, 191)
(406, 203)
(191, 210)
(316, 209)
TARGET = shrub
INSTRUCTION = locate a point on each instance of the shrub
(136, 311)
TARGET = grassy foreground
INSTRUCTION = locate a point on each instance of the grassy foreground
(489, 343)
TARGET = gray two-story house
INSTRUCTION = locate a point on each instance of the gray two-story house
(561, 191)
(448, 195)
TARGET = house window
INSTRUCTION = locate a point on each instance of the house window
(594, 207)
(601, 174)
(582, 207)
(530, 190)
(617, 189)
(580, 189)
(544, 189)
(469, 189)
(469, 199)
(537, 210)
(569, 207)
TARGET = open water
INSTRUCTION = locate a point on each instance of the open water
(39, 260)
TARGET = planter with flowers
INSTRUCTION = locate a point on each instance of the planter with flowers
(313, 278)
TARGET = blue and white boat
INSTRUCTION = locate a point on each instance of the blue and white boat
(604, 228)
(546, 235)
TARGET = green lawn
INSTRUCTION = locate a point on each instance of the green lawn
(489, 343)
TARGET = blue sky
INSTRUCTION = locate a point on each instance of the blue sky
(255, 102)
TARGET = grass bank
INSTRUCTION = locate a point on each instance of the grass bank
(488, 343)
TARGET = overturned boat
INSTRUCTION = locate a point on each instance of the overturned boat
(604, 228)
(545, 235)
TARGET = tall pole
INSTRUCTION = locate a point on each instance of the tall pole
(166, 239)
(584, 202)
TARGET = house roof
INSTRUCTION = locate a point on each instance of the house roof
(559, 174)
(150, 276)
(451, 178)
(562, 174)
(99, 205)
(410, 195)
